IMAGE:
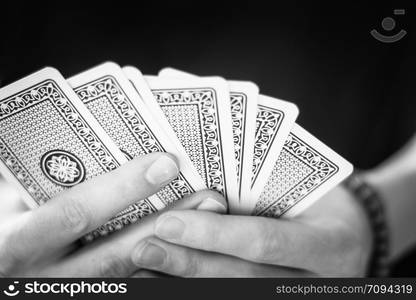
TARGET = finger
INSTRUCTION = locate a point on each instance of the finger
(148, 274)
(263, 240)
(11, 204)
(205, 200)
(111, 256)
(79, 210)
(181, 261)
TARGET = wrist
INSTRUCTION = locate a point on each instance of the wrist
(397, 187)
(373, 206)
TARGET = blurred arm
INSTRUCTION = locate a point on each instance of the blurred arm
(395, 179)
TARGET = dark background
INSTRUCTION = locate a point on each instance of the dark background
(354, 92)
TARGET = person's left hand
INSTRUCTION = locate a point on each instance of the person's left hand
(331, 238)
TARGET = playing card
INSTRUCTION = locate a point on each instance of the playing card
(50, 142)
(119, 109)
(198, 110)
(44, 127)
(139, 83)
(304, 171)
(243, 96)
(275, 118)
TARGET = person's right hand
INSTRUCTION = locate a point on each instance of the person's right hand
(42, 242)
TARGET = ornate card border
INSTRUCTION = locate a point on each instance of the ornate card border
(323, 169)
(109, 87)
(238, 113)
(49, 90)
(268, 122)
(206, 99)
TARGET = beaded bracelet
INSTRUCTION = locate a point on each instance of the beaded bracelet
(373, 206)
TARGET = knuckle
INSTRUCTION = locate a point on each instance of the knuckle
(267, 246)
(9, 259)
(352, 262)
(113, 266)
(192, 266)
(4, 259)
(209, 236)
(76, 216)
(349, 256)
(213, 237)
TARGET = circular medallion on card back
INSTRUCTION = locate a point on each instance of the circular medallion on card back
(62, 168)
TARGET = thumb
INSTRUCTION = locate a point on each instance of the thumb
(206, 200)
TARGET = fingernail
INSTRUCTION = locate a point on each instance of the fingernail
(149, 255)
(212, 205)
(169, 227)
(162, 171)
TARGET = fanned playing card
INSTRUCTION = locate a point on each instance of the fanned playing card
(119, 109)
(304, 171)
(198, 110)
(275, 119)
(243, 100)
(50, 142)
(139, 83)
(243, 96)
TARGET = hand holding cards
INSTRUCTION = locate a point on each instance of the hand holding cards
(55, 134)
